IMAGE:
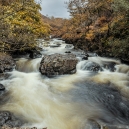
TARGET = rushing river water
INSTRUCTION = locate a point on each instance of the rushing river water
(69, 101)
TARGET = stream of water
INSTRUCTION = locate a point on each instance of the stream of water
(69, 101)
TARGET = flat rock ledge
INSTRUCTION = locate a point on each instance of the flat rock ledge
(58, 64)
(6, 63)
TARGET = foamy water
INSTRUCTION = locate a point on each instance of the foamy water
(69, 101)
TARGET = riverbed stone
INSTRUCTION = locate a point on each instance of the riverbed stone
(110, 66)
(8, 119)
(92, 124)
(68, 52)
(2, 90)
(92, 66)
(4, 76)
(6, 63)
(85, 55)
(2, 87)
(58, 64)
(35, 54)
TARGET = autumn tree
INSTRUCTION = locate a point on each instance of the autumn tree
(98, 25)
(20, 25)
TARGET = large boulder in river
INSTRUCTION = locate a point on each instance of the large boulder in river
(58, 64)
(6, 63)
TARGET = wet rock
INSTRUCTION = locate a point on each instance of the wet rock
(110, 66)
(4, 76)
(92, 124)
(68, 52)
(69, 46)
(6, 63)
(58, 64)
(2, 87)
(35, 54)
(85, 57)
(8, 119)
(91, 66)
(4, 97)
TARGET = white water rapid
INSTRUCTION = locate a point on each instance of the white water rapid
(68, 101)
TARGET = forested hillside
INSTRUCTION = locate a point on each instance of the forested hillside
(98, 25)
(56, 25)
(20, 24)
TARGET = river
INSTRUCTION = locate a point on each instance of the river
(69, 101)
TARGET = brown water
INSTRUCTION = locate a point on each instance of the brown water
(69, 101)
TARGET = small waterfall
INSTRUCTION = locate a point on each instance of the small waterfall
(28, 65)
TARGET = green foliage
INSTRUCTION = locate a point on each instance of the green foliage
(119, 42)
(122, 5)
(119, 48)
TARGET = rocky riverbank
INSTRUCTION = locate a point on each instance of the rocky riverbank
(7, 64)
(86, 45)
